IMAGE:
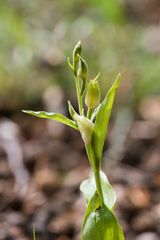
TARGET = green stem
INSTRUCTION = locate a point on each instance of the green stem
(79, 97)
(34, 233)
(90, 155)
(95, 168)
(80, 105)
(98, 183)
(89, 113)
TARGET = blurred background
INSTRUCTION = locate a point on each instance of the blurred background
(42, 162)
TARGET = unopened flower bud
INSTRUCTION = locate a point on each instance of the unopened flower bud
(76, 54)
(93, 94)
(82, 69)
(85, 127)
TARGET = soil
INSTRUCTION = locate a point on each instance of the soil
(42, 165)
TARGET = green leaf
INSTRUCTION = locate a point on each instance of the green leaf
(54, 116)
(94, 114)
(71, 110)
(100, 222)
(70, 65)
(102, 119)
(88, 188)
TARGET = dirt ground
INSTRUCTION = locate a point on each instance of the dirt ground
(42, 164)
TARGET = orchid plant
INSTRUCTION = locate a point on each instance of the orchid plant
(100, 222)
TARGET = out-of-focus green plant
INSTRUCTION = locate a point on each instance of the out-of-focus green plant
(34, 233)
(34, 41)
(100, 222)
(113, 10)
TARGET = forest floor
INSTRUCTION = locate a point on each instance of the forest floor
(42, 165)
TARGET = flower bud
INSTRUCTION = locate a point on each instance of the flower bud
(85, 127)
(93, 94)
(82, 69)
(76, 53)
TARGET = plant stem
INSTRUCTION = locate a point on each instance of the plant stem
(95, 168)
(79, 97)
(34, 233)
(89, 113)
(90, 155)
(98, 183)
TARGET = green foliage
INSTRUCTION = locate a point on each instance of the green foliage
(100, 222)
(102, 119)
(54, 116)
(113, 10)
(32, 36)
(88, 187)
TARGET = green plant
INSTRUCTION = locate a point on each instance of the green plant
(34, 233)
(100, 222)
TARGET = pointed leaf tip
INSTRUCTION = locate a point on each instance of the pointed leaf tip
(54, 116)
(102, 119)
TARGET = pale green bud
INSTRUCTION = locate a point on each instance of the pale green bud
(82, 69)
(93, 94)
(76, 54)
(85, 127)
